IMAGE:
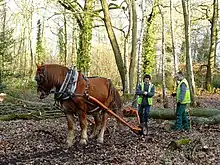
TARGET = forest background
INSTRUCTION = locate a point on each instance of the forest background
(121, 40)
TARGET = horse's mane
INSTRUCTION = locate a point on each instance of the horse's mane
(55, 73)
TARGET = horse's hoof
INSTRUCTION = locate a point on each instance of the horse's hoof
(69, 143)
(92, 136)
(83, 141)
(100, 140)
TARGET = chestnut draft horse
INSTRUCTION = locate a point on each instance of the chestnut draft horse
(71, 88)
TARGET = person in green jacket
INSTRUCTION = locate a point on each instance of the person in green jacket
(182, 98)
(145, 91)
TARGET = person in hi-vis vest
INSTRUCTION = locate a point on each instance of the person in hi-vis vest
(145, 91)
(182, 98)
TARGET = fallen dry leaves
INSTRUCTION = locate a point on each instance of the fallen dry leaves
(43, 142)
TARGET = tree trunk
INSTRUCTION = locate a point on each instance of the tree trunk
(165, 99)
(149, 42)
(65, 39)
(84, 21)
(126, 89)
(126, 40)
(140, 43)
(134, 46)
(73, 55)
(113, 41)
(32, 59)
(2, 52)
(190, 75)
(211, 57)
(175, 61)
(83, 55)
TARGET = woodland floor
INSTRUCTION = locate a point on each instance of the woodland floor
(30, 142)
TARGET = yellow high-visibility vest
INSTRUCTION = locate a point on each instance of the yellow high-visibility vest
(140, 97)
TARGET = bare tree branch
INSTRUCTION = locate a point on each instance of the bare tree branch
(70, 7)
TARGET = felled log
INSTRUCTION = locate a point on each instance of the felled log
(178, 143)
(14, 108)
(169, 114)
(203, 120)
(37, 115)
(197, 115)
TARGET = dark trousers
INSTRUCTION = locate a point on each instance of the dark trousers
(143, 112)
(182, 121)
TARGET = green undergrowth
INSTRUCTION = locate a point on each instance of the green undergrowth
(20, 88)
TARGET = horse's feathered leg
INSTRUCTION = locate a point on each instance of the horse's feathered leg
(71, 130)
(96, 126)
(83, 125)
(103, 127)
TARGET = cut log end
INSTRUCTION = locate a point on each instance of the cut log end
(178, 143)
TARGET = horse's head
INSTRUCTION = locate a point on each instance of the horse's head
(49, 76)
(43, 86)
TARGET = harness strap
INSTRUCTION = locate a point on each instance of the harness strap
(69, 85)
(87, 86)
(66, 81)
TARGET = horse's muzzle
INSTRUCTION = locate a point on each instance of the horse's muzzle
(43, 95)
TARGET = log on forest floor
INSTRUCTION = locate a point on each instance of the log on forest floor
(203, 120)
(28, 107)
(178, 143)
(33, 115)
(196, 115)
(169, 114)
(28, 110)
(191, 146)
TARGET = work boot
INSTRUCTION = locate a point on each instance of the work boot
(187, 129)
(175, 128)
(145, 129)
(142, 124)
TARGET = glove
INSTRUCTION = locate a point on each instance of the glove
(173, 94)
(145, 93)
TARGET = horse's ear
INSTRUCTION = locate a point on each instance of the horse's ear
(37, 65)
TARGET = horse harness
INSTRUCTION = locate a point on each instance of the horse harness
(67, 89)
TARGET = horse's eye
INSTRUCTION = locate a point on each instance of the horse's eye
(36, 78)
(39, 78)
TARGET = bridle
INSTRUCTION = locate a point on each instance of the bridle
(41, 78)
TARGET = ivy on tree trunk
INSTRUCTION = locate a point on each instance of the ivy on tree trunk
(83, 52)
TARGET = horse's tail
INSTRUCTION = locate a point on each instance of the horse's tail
(116, 101)
(110, 86)
(116, 104)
